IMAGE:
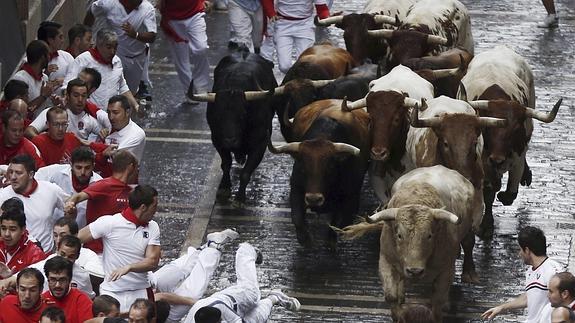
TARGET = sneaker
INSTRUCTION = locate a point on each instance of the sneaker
(291, 303)
(551, 21)
(218, 239)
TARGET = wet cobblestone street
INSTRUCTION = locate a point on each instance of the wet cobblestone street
(344, 286)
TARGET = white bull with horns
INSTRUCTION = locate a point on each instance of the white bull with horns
(429, 215)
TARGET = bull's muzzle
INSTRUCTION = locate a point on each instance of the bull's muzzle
(379, 154)
(414, 272)
(314, 199)
(496, 160)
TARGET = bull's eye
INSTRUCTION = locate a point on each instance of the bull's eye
(445, 144)
(399, 236)
(429, 237)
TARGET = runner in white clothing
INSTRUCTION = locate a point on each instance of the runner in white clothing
(134, 21)
(59, 60)
(103, 59)
(40, 198)
(294, 27)
(241, 302)
(561, 293)
(131, 246)
(73, 178)
(533, 251)
(125, 132)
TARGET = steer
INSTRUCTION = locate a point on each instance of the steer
(501, 82)
(310, 72)
(376, 14)
(330, 162)
(430, 27)
(428, 217)
(388, 103)
(240, 115)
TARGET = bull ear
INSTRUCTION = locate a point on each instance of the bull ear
(384, 215)
(443, 215)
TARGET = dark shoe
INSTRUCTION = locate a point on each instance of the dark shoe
(260, 257)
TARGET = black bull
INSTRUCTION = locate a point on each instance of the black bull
(240, 125)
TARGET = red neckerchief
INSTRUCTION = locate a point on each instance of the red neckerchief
(78, 187)
(129, 215)
(20, 245)
(53, 55)
(127, 6)
(31, 190)
(4, 104)
(98, 57)
(28, 68)
(91, 109)
(69, 50)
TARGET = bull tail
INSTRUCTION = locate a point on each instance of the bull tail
(352, 232)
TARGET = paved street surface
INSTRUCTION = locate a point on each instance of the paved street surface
(343, 286)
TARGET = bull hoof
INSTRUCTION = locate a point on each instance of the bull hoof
(485, 232)
(526, 178)
(470, 276)
(506, 198)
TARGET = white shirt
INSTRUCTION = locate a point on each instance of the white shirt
(131, 137)
(61, 175)
(90, 262)
(82, 124)
(536, 287)
(34, 87)
(63, 60)
(113, 81)
(297, 8)
(39, 209)
(80, 277)
(124, 244)
(142, 19)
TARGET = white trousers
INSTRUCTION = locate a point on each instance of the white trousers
(246, 291)
(126, 298)
(292, 37)
(193, 52)
(268, 47)
(187, 276)
(133, 70)
(246, 26)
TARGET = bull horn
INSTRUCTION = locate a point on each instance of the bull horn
(542, 116)
(462, 94)
(292, 147)
(438, 74)
(329, 21)
(383, 33)
(489, 122)
(441, 214)
(355, 105)
(423, 123)
(410, 102)
(384, 215)
(204, 97)
(320, 83)
(436, 40)
(383, 19)
(346, 148)
(279, 90)
(255, 95)
(479, 104)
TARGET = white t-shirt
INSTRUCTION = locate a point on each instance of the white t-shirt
(91, 262)
(80, 277)
(39, 209)
(82, 124)
(113, 81)
(142, 19)
(536, 282)
(131, 137)
(61, 175)
(124, 244)
(34, 87)
(63, 60)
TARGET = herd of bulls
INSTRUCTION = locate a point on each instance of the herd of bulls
(435, 126)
